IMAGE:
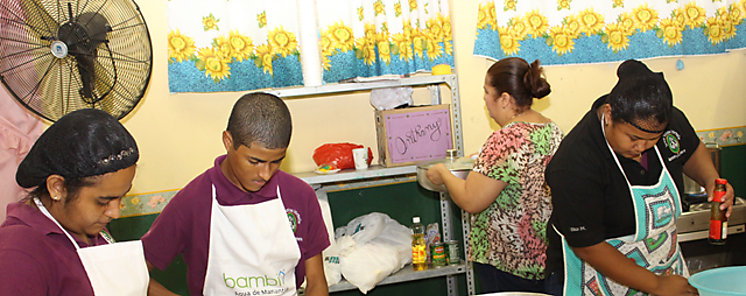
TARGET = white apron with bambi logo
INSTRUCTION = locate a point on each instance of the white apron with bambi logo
(114, 269)
(653, 246)
(252, 250)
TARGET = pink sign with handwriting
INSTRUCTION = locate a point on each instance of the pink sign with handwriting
(418, 136)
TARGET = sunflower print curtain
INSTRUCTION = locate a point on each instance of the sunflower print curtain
(589, 31)
(238, 45)
(370, 38)
(224, 45)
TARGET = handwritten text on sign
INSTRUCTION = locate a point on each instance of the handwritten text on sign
(418, 136)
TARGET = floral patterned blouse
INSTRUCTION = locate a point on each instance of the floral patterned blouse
(511, 233)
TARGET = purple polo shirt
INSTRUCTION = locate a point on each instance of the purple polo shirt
(36, 258)
(183, 227)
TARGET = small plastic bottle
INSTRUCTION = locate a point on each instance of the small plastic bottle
(419, 252)
(718, 221)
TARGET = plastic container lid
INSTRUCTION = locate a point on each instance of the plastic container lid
(721, 181)
(415, 219)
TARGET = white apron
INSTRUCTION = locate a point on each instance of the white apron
(114, 269)
(653, 246)
(252, 250)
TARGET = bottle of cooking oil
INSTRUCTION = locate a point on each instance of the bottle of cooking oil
(718, 221)
(419, 249)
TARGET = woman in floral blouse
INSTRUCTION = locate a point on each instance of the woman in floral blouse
(506, 191)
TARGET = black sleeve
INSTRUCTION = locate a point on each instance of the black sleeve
(689, 139)
(575, 180)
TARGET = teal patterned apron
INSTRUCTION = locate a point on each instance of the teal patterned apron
(653, 246)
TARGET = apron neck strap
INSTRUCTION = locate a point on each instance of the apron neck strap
(44, 211)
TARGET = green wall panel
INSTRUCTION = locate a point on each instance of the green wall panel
(733, 167)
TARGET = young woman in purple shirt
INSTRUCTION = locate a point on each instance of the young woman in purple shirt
(53, 242)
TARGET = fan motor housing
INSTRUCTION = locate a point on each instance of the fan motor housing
(83, 34)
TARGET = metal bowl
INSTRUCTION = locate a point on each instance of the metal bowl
(460, 167)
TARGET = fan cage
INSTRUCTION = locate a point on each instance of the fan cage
(115, 71)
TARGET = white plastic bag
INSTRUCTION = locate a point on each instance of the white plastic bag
(367, 227)
(399, 238)
(390, 98)
(381, 247)
(332, 258)
(368, 264)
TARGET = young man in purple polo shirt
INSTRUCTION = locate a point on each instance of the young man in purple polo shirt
(243, 226)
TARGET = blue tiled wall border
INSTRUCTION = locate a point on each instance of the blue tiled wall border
(730, 136)
(145, 203)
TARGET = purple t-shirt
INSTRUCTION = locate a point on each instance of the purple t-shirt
(36, 258)
(183, 227)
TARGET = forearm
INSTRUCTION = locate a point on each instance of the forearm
(474, 194)
(317, 289)
(315, 279)
(611, 263)
(699, 167)
(155, 288)
(614, 265)
(457, 190)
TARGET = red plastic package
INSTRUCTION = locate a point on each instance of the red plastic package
(338, 155)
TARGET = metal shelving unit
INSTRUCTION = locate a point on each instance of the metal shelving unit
(407, 274)
(378, 175)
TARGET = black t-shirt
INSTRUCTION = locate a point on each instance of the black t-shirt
(590, 198)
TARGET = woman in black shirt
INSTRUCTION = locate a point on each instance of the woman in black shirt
(615, 183)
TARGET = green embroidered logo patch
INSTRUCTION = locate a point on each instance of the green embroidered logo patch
(293, 218)
(671, 139)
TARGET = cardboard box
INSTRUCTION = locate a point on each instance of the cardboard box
(412, 135)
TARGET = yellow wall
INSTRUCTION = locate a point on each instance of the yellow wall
(179, 134)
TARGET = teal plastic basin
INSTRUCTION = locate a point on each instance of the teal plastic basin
(721, 281)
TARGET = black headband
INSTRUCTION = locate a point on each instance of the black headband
(644, 129)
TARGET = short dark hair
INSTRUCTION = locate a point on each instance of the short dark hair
(522, 81)
(640, 94)
(260, 117)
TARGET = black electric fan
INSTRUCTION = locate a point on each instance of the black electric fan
(59, 56)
